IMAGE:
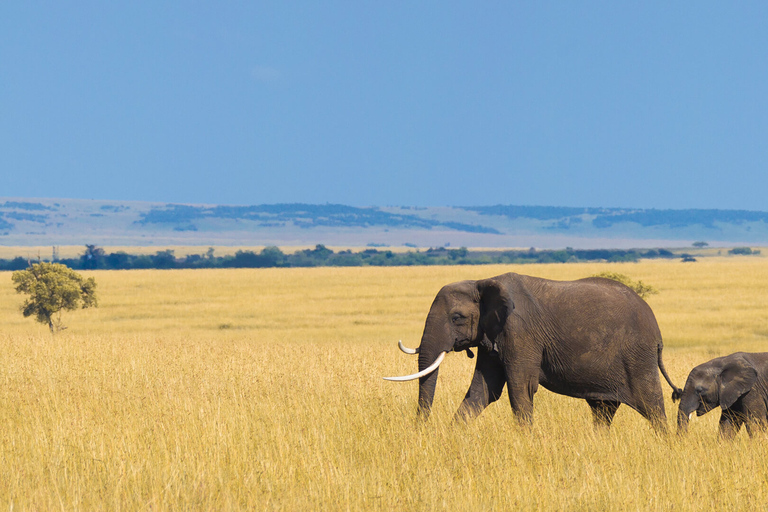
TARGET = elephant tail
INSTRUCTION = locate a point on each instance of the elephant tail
(676, 391)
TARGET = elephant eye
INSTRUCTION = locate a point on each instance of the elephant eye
(458, 319)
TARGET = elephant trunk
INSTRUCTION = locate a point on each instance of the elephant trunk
(435, 343)
(427, 384)
(689, 402)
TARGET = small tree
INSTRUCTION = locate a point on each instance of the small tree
(53, 288)
(93, 257)
(642, 289)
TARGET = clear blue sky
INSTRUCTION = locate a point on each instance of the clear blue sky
(615, 104)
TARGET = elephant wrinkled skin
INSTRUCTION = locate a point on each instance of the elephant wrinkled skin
(737, 383)
(593, 338)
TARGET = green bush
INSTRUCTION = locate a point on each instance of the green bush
(743, 250)
(642, 289)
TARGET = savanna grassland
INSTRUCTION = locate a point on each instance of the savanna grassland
(262, 390)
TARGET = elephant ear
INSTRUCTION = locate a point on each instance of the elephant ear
(495, 305)
(736, 379)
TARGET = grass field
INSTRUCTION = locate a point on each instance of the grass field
(262, 390)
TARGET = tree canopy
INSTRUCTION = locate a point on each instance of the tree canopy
(53, 288)
(642, 289)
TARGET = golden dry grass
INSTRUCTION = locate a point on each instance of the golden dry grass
(262, 390)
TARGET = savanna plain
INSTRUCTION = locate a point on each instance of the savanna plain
(262, 390)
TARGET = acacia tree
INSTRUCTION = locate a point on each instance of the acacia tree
(53, 288)
(642, 289)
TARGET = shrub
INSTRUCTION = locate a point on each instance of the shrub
(742, 250)
(642, 289)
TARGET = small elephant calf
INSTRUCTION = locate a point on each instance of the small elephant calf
(738, 383)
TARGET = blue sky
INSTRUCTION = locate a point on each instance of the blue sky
(614, 104)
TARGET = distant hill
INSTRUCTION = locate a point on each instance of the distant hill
(33, 222)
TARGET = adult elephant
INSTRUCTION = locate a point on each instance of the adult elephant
(737, 383)
(593, 338)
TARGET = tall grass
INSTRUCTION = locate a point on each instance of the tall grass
(262, 390)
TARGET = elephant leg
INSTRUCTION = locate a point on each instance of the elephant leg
(657, 416)
(603, 412)
(755, 415)
(486, 387)
(521, 389)
(730, 424)
(755, 426)
(649, 402)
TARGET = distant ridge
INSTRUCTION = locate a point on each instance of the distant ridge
(301, 215)
(605, 217)
(28, 222)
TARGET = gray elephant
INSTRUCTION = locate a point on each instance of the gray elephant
(593, 338)
(737, 383)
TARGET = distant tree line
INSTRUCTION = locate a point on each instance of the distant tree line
(96, 258)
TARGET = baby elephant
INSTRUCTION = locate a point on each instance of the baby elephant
(738, 383)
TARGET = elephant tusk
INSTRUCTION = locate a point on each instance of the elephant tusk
(425, 371)
(690, 416)
(406, 349)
